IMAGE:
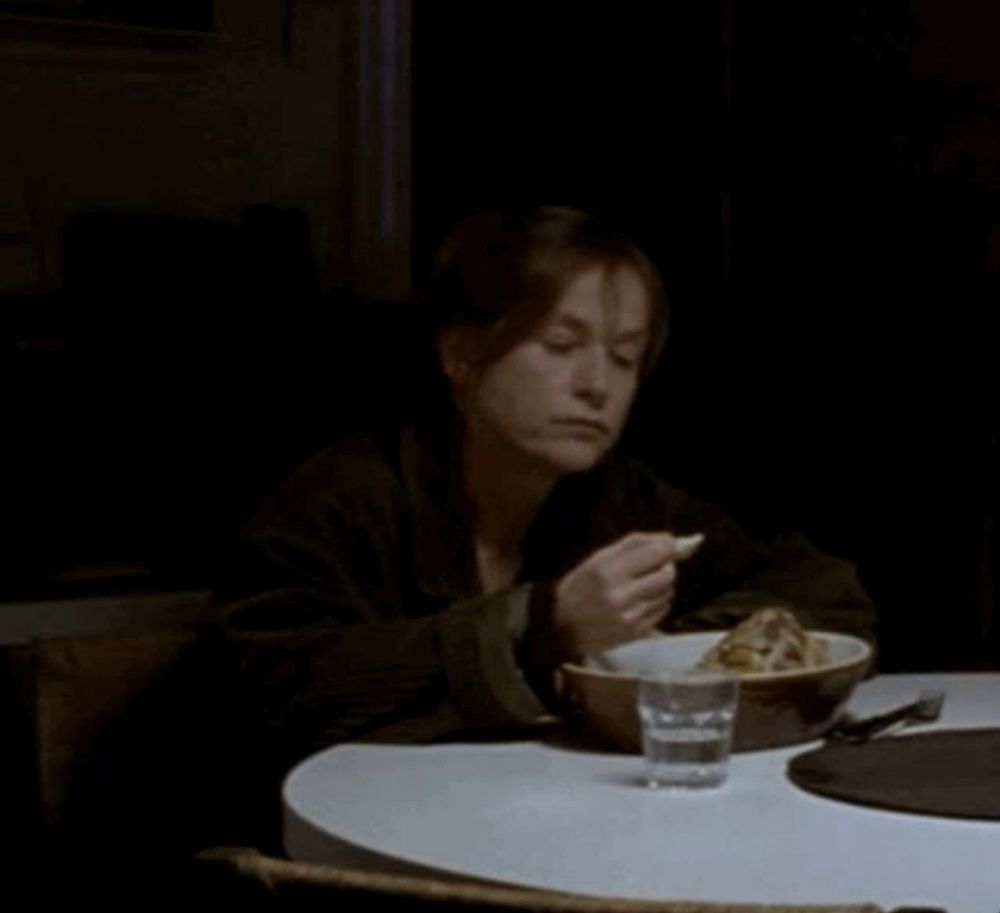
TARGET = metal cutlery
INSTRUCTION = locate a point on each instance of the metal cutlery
(925, 709)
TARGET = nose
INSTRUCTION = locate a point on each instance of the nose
(591, 378)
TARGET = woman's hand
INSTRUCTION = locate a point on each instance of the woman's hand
(619, 593)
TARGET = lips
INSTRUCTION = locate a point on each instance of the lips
(584, 425)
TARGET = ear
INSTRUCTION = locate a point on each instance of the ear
(454, 347)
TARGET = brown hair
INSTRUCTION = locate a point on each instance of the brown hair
(501, 274)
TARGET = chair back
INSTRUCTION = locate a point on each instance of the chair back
(257, 881)
(81, 689)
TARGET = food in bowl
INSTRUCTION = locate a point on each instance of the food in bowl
(781, 707)
(770, 640)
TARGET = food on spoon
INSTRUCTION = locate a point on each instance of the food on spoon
(686, 546)
(770, 640)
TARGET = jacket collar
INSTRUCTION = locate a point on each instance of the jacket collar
(444, 562)
(578, 517)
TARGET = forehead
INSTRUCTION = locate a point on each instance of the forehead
(600, 295)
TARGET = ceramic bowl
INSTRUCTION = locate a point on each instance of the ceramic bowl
(775, 708)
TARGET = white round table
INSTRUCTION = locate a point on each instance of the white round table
(539, 815)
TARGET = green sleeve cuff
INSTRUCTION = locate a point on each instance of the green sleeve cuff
(477, 643)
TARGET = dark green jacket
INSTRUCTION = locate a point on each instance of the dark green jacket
(354, 608)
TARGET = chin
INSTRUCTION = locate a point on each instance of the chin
(570, 457)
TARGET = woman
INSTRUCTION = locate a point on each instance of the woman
(431, 584)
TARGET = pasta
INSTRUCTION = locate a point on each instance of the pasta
(770, 640)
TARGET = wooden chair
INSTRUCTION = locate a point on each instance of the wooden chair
(81, 690)
(255, 881)
(111, 732)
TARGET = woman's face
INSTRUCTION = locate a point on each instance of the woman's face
(561, 396)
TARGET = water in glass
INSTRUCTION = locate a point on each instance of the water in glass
(687, 726)
(686, 749)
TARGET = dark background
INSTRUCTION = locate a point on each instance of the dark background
(830, 367)
(817, 182)
(174, 14)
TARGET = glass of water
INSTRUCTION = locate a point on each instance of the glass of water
(687, 726)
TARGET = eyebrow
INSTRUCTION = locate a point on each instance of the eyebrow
(572, 322)
(632, 336)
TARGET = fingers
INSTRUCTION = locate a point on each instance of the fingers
(607, 637)
(656, 603)
(652, 586)
(624, 624)
(640, 553)
(648, 624)
(621, 592)
(638, 622)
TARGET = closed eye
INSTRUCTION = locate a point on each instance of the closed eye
(560, 340)
(626, 357)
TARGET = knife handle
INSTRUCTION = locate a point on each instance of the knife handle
(861, 730)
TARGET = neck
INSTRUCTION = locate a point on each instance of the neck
(507, 490)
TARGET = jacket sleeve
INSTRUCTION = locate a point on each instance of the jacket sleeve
(318, 646)
(732, 576)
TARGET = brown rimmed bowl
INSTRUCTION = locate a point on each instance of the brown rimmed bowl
(775, 708)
